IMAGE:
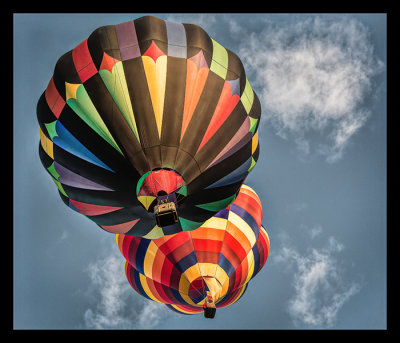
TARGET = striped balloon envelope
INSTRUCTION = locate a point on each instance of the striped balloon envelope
(144, 109)
(218, 259)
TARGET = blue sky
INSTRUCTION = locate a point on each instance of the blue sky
(321, 178)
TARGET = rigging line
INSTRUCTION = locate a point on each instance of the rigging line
(153, 181)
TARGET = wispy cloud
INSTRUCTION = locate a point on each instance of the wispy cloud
(318, 282)
(313, 76)
(64, 235)
(315, 231)
(114, 304)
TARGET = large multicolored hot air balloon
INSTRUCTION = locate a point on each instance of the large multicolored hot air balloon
(148, 127)
(215, 261)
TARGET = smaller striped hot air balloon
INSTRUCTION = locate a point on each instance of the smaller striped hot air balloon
(212, 263)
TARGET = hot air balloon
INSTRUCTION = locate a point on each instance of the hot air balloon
(203, 269)
(148, 127)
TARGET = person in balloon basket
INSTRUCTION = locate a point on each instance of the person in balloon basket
(209, 307)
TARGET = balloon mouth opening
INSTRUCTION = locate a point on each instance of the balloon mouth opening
(206, 290)
(160, 191)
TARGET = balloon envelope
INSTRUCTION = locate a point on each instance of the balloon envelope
(144, 97)
(220, 257)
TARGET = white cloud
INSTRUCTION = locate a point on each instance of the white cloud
(319, 289)
(298, 206)
(315, 231)
(114, 304)
(64, 235)
(313, 76)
